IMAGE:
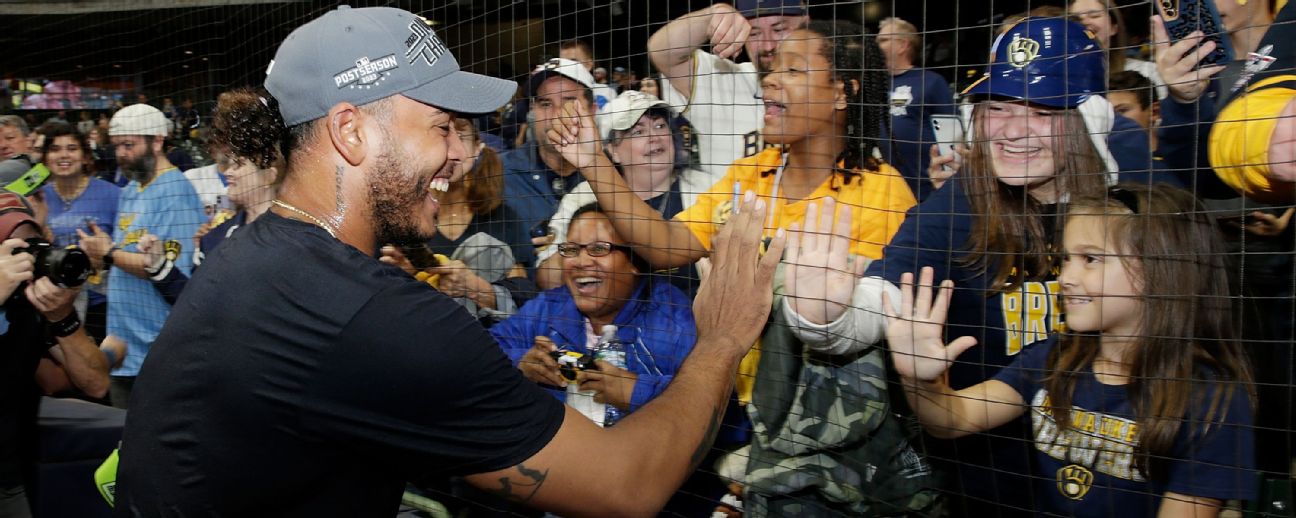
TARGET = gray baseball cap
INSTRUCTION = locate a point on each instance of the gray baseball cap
(363, 55)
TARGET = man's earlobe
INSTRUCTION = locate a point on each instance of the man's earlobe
(346, 133)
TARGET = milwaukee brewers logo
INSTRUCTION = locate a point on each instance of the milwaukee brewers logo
(1021, 51)
(171, 248)
(1074, 481)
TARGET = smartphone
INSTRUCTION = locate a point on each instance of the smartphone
(1182, 17)
(949, 133)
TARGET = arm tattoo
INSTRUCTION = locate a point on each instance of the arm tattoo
(707, 440)
(522, 488)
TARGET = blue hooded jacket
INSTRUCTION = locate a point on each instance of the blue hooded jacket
(656, 324)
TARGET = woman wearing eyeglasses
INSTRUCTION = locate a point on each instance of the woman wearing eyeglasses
(604, 282)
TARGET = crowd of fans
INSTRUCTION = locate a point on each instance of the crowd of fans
(1079, 303)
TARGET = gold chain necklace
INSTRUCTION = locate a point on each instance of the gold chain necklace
(314, 219)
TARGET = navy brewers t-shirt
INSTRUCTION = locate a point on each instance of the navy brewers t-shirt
(298, 376)
(991, 469)
(1089, 470)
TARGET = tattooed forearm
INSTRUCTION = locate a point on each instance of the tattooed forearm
(523, 486)
(707, 440)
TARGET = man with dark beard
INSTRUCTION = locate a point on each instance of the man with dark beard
(299, 376)
(159, 200)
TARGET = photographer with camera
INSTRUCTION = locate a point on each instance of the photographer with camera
(43, 347)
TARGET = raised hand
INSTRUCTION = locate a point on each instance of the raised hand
(818, 280)
(1177, 62)
(96, 244)
(916, 335)
(728, 30)
(735, 298)
(944, 167)
(151, 246)
(575, 135)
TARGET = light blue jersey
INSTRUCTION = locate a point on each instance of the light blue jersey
(168, 207)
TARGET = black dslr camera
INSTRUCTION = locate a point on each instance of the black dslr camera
(66, 267)
(571, 362)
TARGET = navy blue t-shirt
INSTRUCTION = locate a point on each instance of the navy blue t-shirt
(915, 96)
(1089, 470)
(990, 468)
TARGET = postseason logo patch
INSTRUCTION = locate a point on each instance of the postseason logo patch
(366, 73)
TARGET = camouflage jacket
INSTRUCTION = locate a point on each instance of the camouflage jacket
(825, 440)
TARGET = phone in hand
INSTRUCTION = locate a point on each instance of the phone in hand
(949, 133)
(1182, 17)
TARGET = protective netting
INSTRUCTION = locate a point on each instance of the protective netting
(1113, 215)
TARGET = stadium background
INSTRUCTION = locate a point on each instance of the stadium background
(196, 49)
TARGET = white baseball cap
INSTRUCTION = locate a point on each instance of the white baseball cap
(623, 112)
(139, 119)
(562, 67)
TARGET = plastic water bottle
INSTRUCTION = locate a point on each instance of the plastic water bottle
(611, 350)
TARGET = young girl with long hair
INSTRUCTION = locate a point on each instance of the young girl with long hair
(1143, 406)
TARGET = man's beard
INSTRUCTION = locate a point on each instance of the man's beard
(141, 170)
(396, 195)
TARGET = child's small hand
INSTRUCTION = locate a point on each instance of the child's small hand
(916, 335)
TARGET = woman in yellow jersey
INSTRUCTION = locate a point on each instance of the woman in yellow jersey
(824, 108)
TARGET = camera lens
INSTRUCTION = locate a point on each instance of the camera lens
(66, 267)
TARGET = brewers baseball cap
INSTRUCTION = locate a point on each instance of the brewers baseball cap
(363, 55)
(139, 119)
(1050, 61)
(758, 8)
(562, 67)
(623, 112)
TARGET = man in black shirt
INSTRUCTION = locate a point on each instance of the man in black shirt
(298, 376)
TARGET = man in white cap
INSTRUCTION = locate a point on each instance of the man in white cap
(721, 97)
(299, 376)
(535, 175)
(159, 200)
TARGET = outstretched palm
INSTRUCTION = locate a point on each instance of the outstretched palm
(818, 279)
(916, 335)
(575, 135)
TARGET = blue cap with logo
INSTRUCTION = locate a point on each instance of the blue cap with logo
(1053, 62)
(363, 55)
(758, 8)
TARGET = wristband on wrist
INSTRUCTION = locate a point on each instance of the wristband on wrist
(64, 328)
(157, 266)
(108, 258)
